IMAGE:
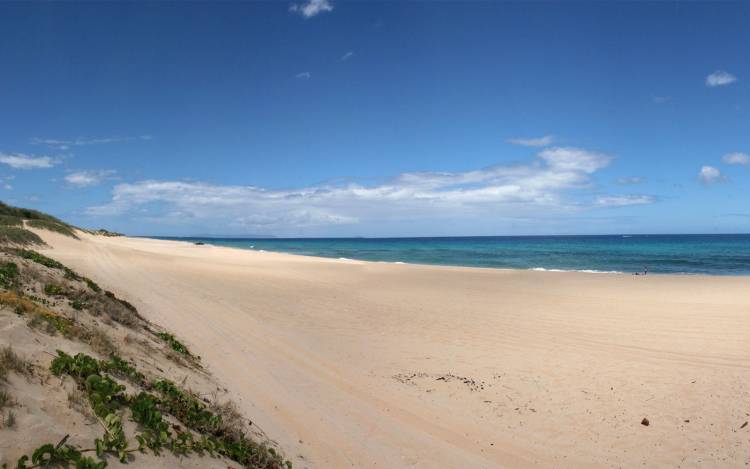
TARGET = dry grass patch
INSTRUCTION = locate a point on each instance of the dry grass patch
(11, 361)
(101, 343)
(78, 401)
(232, 422)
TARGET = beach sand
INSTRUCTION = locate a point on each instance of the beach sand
(375, 365)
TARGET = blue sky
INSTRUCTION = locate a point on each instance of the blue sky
(323, 118)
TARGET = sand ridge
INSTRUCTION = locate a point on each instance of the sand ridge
(360, 364)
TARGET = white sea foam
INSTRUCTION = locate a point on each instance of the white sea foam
(587, 271)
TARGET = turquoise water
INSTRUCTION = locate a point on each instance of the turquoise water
(667, 254)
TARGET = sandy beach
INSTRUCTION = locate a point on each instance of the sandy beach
(374, 365)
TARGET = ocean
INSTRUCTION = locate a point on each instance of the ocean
(660, 254)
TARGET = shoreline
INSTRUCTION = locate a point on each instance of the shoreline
(530, 269)
(365, 364)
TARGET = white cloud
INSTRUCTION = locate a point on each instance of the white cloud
(624, 200)
(630, 181)
(89, 178)
(533, 142)
(547, 183)
(24, 161)
(66, 144)
(742, 159)
(720, 78)
(661, 99)
(303, 75)
(574, 159)
(347, 56)
(311, 8)
(710, 175)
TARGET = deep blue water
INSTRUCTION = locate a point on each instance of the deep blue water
(667, 254)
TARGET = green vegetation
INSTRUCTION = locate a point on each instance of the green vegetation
(52, 289)
(51, 323)
(27, 214)
(106, 397)
(122, 369)
(61, 228)
(168, 417)
(188, 409)
(60, 455)
(7, 220)
(42, 318)
(18, 236)
(53, 264)
(38, 258)
(176, 345)
(8, 274)
(92, 285)
(103, 232)
(121, 301)
(11, 225)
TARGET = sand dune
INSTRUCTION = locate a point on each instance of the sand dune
(356, 364)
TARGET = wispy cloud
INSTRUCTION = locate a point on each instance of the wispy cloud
(303, 75)
(710, 175)
(24, 161)
(533, 142)
(630, 181)
(5, 182)
(550, 182)
(742, 159)
(347, 56)
(67, 144)
(720, 78)
(624, 200)
(661, 99)
(311, 7)
(89, 178)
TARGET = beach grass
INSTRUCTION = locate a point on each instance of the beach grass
(53, 226)
(18, 236)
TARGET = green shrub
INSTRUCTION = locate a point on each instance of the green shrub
(119, 367)
(107, 397)
(186, 408)
(176, 345)
(8, 274)
(81, 366)
(49, 455)
(52, 289)
(8, 220)
(92, 285)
